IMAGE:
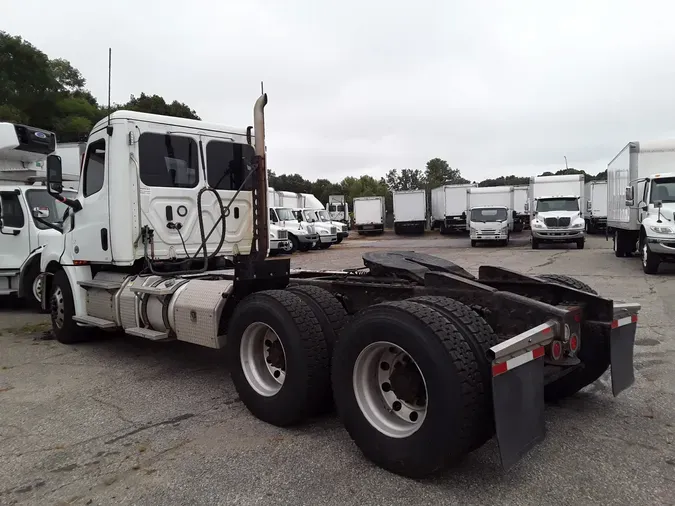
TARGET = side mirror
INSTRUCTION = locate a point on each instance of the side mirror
(589, 205)
(658, 204)
(41, 212)
(54, 174)
(629, 196)
(527, 207)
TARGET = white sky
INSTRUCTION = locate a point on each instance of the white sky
(356, 87)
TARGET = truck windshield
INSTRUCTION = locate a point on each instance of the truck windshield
(560, 204)
(663, 189)
(323, 215)
(285, 214)
(336, 208)
(40, 198)
(310, 216)
(488, 214)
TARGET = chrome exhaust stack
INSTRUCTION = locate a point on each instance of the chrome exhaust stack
(261, 211)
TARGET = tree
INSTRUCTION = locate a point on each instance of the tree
(438, 172)
(155, 104)
(505, 181)
(68, 77)
(408, 179)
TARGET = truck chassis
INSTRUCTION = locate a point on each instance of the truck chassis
(383, 342)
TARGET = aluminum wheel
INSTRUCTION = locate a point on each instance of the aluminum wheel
(390, 389)
(263, 359)
(58, 308)
(37, 288)
(645, 254)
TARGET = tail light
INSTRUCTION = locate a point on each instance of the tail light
(574, 343)
(556, 350)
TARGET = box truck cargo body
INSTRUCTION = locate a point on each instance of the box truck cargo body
(555, 210)
(595, 207)
(410, 211)
(641, 202)
(369, 214)
(449, 205)
(520, 198)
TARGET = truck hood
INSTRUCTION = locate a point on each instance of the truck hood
(558, 214)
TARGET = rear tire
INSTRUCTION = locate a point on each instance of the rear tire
(594, 351)
(435, 365)
(62, 308)
(302, 386)
(480, 337)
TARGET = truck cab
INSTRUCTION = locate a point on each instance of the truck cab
(29, 216)
(341, 228)
(327, 232)
(557, 219)
(490, 224)
(655, 200)
(302, 236)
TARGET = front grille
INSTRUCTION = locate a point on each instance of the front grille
(282, 235)
(333, 230)
(551, 222)
(564, 222)
(487, 232)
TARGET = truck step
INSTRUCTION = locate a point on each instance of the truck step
(102, 284)
(95, 322)
(153, 335)
(9, 274)
(7, 291)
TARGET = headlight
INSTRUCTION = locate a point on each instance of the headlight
(472, 230)
(662, 230)
(578, 224)
(273, 235)
(323, 231)
(505, 228)
(537, 224)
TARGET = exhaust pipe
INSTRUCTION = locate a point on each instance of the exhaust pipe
(261, 211)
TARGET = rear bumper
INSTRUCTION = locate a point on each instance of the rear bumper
(518, 377)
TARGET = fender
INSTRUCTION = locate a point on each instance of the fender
(32, 259)
(75, 273)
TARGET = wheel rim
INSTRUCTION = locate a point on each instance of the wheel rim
(288, 247)
(263, 359)
(645, 255)
(58, 308)
(37, 288)
(390, 389)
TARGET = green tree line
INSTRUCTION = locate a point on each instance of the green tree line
(51, 94)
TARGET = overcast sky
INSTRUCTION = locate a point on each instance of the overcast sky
(359, 86)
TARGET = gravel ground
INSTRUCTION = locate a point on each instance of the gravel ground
(127, 421)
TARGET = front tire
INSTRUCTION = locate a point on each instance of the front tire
(581, 243)
(32, 288)
(535, 243)
(473, 243)
(407, 388)
(62, 308)
(650, 261)
(279, 359)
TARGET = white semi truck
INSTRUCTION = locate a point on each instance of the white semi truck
(286, 234)
(338, 208)
(520, 199)
(555, 210)
(641, 202)
(431, 361)
(491, 214)
(309, 201)
(449, 206)
(369, 215)
(595, 208)
(410, 211)
(30, 216)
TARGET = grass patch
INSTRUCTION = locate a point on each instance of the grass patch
(29, 328)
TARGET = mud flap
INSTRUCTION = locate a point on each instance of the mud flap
(621, 343)
(518, 400)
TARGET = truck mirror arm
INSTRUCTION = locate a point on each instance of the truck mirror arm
(74, 203)
(49, 224)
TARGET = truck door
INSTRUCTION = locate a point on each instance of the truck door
(15, 237)
(90, 237)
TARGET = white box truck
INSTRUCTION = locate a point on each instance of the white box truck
(641, 202)
(338, 208)
(29, 215)
(520, 198)
(410, 211)
(555, 210)
(491, 214)
(595, 209)
(449, 204)
(369, 215)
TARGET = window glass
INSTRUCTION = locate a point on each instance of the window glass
(94, 168)
(663, 189)
(12, 214)
(40, 198)
(488, 215)
(557, 204)
(168, 161)
(228, 164)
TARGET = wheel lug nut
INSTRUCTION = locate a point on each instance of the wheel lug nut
(384, 366)
(392, 350)
(396, 406)
(386, 387)
(413, 416)
(277, 374)
(267, 342)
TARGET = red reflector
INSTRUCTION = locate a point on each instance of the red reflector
(574, 342)
(538, 352)
(546, 330)
(556, 350)
(633, 318)
(80, 262)
(615, 324)
(577, 318)
(499, 369)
